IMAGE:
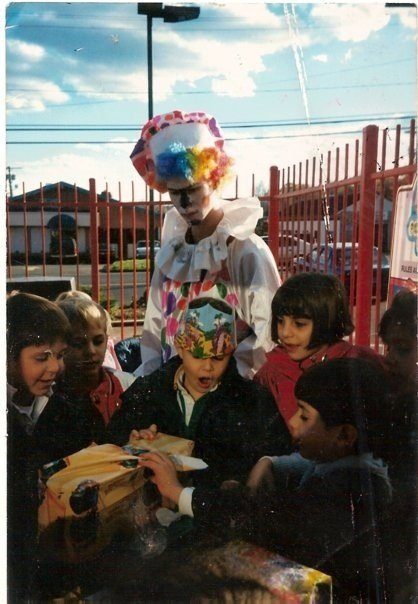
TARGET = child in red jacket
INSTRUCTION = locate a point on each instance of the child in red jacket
(310, 317)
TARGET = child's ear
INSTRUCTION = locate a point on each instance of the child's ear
(347, 435)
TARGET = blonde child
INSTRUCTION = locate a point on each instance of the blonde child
(111, 360)
(85, 375)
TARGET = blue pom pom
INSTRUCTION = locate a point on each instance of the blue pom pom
(174, 163)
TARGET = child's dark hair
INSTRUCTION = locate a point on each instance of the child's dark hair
(82, 310)
(33, 321)
(321, 298)
(349, 391)
(402, 312)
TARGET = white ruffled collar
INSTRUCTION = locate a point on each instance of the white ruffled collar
(184, 261)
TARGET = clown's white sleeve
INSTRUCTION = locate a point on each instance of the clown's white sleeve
(151, 334)
(256, 280)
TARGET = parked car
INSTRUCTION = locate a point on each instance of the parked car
(105, 252)
(142, 251)
(316, 260)
(68, 249)
(289, 247)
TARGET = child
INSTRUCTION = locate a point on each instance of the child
(330, 493)
(38, 422)
(398, 331)
(111, 360)
(209, 244)
(200, 395)
(84, 373)
(310, 317)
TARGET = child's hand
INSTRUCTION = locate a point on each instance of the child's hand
(261, 475)
(165, 474)
(148, 433)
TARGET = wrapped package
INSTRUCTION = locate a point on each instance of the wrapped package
(279, 579)
(86, 497)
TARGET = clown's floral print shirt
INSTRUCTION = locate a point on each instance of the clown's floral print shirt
(233, 265)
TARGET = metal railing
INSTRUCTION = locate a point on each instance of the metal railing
(346, 201)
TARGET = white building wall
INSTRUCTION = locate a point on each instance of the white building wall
(36, 240)
(17, 239)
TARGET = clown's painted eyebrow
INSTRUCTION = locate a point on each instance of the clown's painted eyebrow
(189, 189)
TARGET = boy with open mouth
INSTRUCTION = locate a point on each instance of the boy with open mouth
(200, 395)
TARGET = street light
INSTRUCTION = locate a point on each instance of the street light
(170, 14)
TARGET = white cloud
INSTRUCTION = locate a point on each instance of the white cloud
(25, 50)
(232, 61)
(38, 93)
(320, 58)
(236, 85)
(351, 22)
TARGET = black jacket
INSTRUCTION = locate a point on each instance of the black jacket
(64, 427)
(239, 423)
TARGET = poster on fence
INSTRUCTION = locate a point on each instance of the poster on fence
(404, 260)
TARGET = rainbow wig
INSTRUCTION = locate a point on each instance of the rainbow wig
(181, 145)
(196, 165)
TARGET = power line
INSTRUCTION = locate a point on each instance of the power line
(247, 138)
(193, 92)
(273, 124)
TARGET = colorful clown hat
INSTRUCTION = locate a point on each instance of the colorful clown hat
(207, 329)
(179, 144)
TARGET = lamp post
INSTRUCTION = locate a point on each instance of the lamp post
(170, 14)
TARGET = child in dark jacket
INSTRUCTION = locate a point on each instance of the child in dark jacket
(398, 331)
(314, 503)
(40, 425)
(310, 317)
(200, 395)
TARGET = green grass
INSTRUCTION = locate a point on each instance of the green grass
(127, 266)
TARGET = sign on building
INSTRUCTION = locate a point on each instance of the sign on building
(404, 260)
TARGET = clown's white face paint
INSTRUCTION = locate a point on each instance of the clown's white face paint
(192, 201)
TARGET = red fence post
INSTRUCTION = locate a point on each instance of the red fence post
(94, 241)
(273, 223)
(366, 236)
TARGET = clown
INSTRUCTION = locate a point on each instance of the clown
(209, 247)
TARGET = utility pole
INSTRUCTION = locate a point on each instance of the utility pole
(170, 14)
(10, 177)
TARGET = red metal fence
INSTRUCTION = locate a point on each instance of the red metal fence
(314, 207)
(90, 232)
(332, 212)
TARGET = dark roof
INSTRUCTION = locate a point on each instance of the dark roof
(63, 186)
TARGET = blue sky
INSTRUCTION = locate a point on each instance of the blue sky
(275, 68)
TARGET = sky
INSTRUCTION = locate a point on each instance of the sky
(286, 82)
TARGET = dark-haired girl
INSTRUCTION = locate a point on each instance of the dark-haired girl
(310, 318)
